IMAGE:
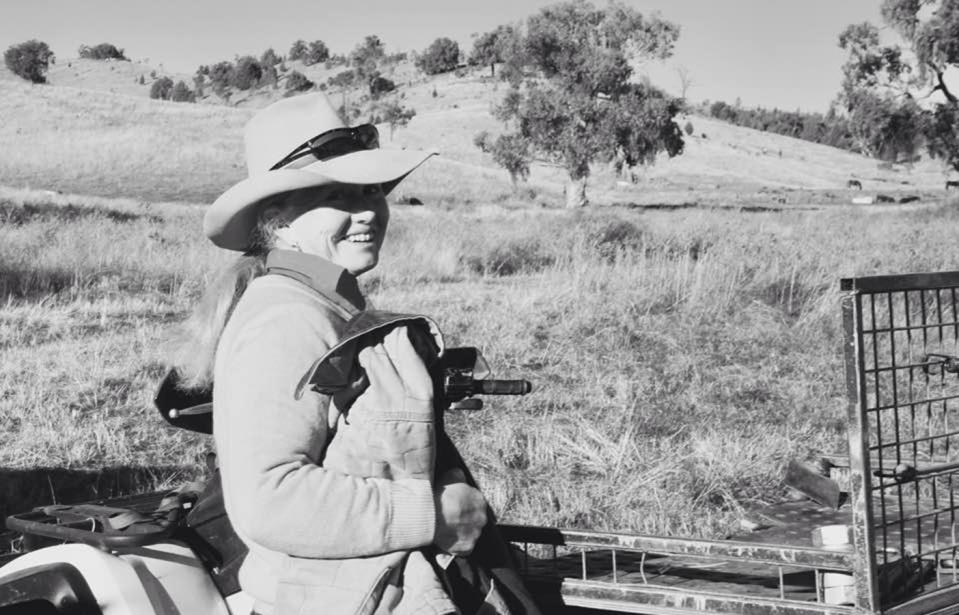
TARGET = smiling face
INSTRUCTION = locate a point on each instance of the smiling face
(343, 223)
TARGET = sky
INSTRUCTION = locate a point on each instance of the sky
(773, 53)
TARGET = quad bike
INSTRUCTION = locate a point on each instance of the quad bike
(169, 553)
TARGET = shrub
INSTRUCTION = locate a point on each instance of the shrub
(221, 77)
(512, 153)
(689, 128)
(29, 60)
(298, 50)
(103, 51)
(441, 56)
(380, 85)
(342, 80)
(162, 88)
(247, 73)
(141, 80)
(509, 257)
(182, 93)
(316, 53)
(298, 82)
(483, 141)
(269, 58)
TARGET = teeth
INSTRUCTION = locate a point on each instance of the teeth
(360, 237)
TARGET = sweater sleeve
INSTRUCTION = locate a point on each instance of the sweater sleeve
(270, 446)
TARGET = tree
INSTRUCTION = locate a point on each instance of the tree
(221, 78)
(162, 88)
(247, 73)
(395, 114)
(181, 93)
(297, 82)
(882, 84)
(511, 151)
(491, 47)
(103, 51)
(29, 60)
(685, 81)
(441, 56)
(380, 85)
(270, 58)
(298, 50)
(365, 58)
(583, 107)
(316, 53)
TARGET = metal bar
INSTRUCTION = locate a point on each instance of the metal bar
(860, 479)
(900, 329)
(655, 600)
(936, 602)
(757, 552)
(917, 440)
(908, 281)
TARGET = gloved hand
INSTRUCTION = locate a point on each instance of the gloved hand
(396, 377)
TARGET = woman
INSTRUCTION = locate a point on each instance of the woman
(340, 516)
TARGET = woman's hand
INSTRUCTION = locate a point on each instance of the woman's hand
(460, 514)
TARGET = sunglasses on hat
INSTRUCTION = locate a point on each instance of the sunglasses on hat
(333, 143)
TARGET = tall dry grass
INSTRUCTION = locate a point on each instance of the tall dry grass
(679, 358)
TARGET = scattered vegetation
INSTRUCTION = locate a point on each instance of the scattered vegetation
(29, 60)
(103, 51)
(297, 82)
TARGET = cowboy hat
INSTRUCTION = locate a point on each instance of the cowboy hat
(296, 143)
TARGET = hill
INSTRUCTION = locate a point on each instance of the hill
(121, 144)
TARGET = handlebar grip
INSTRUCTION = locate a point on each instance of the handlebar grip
(503, 387)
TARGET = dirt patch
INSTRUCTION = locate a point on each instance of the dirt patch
(18, 214)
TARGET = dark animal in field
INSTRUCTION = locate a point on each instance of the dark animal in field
(909, 199)
(854, 183)
(952, 183)
(884, 198)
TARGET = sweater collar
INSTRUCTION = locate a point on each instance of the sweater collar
(330, 280)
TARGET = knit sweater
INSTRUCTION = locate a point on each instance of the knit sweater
(281, 499)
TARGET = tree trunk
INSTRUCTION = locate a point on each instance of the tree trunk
(576, 193)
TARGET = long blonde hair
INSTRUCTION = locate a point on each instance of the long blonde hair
(196, 342)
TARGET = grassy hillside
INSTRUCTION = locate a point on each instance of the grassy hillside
(104, 144)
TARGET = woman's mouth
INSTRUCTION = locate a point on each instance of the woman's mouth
(365, 237)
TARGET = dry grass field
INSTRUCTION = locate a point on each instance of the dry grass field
(680, 357)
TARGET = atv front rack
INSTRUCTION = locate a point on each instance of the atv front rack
(107, 527)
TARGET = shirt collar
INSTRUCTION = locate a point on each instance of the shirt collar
(330, 280)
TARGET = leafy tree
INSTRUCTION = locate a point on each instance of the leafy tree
(103, 51)
(511, 151)
(342, 80)
(297, 82)
(688, 128)
(162, 88)
(318, 52)
(441, 56)
(882, 82)
(492, 47)
(247, 73)
(29, 60)
(395, 114)
(483, 141)
(365, 58)
(298, 50)
(221, 77)
(583, 107)
(270, 58)
(182, 93)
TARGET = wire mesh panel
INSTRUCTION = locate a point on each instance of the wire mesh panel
(902, 335)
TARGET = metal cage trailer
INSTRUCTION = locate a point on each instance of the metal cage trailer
(891, 547)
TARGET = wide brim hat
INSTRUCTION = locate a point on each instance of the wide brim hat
(280, 134)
